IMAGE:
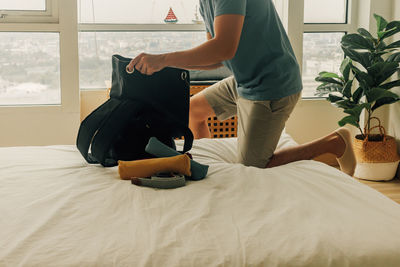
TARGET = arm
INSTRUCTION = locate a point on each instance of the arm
(209, 67)
(223, 46)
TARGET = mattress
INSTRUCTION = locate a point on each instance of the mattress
(57, 210)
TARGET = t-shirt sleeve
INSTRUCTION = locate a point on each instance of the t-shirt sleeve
(201, 10)
(223, 7)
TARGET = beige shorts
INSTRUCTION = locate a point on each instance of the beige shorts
(260, 123)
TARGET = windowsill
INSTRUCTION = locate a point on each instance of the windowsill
(93, 89)
(313, 98)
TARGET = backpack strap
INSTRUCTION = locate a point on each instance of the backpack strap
(188, 137)
(113, 125)
(90, 125)
(181, 128)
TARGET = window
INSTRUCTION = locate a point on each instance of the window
(326, 21)
(129, 28)
(29, 68)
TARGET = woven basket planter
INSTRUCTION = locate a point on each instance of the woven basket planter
(377, 157)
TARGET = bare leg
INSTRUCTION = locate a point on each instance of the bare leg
(200, 129)
(337, 143)
(331, 143)
(200, 111)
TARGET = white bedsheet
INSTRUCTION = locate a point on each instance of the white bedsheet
(56, 210)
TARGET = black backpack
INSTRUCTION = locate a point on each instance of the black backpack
(139, 107)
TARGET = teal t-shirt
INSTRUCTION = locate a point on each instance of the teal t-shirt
(264, 66)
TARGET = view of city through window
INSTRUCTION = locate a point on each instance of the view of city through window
(321, 52)
(96, 50)
(29, 62)
(29, 68)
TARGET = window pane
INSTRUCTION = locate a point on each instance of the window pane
(325, 11)
(22, 4)
(321, 52)
(96, 50)
(137, 11)
(29, 68)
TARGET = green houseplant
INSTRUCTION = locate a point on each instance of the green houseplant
(363, 84)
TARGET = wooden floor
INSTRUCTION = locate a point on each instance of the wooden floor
(391, 189)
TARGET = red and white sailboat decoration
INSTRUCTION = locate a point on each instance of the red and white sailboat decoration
(171, 18)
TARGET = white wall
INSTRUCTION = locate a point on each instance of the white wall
(44, 126)
(312, 119)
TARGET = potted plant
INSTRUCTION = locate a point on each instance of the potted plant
(364, 85)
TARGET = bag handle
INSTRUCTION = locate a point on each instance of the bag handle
(368, 131)
(187, 133)
(90, 125)
(381, 128)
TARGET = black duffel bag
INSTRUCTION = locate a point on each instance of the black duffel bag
(140, 106)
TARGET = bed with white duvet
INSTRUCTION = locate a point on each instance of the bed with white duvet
(57, 210)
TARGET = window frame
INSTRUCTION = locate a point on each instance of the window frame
(349, 26)
(296, 28)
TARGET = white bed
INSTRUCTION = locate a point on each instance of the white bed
(56, 210)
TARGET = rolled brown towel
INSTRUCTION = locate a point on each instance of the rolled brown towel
(148, 167)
